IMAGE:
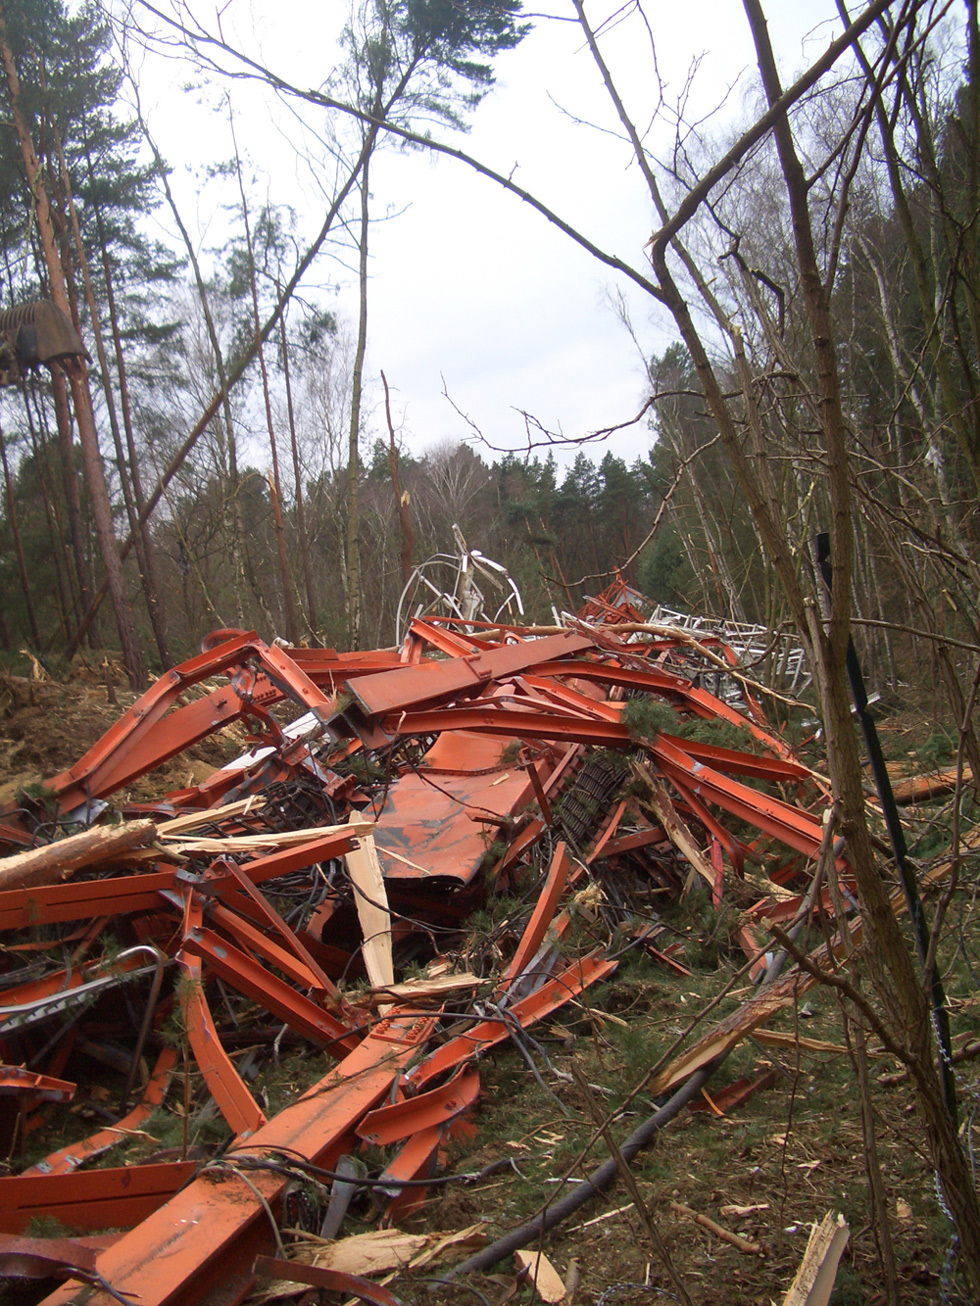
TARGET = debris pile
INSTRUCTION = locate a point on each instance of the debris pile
(316, 893)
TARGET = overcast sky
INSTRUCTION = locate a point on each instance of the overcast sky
(471, 289)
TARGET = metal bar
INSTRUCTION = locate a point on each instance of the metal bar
(147, 711)
(151, 747)
(18, 1081)
(398, 1120)
(512, 723)
(416, 1157)
(252, 939)
(487, 1033)
(780, 820)
(49, 904)
(246, 975)
(69, 1158)
(329, 1280)
(321, 980)
(542, 916)
(235, 1102)
(393, 691)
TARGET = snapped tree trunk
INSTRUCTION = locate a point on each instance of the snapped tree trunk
(78, 380)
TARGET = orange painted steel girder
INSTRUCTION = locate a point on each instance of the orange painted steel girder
(249, 977)
(241, 1111)
(397, 1121)
(433, 682)
(205, 1238)
(145, 737)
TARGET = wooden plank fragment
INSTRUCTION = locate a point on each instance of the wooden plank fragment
(419, 990)
(815, 1278)
(371, 899)
(658, 801)
(208, 815)
(257, 842)
(546, 1279)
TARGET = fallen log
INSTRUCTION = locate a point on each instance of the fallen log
(58, 861)
(919, 788)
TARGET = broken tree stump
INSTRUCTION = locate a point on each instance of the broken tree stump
(58, 861)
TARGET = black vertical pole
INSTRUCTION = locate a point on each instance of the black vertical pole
(896, 836)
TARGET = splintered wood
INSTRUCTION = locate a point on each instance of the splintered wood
(815, 1278)
(371, 898)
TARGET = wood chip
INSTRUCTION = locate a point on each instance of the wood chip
(726, 1235)
(546, 1279)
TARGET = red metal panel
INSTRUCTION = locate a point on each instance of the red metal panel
(392, 691)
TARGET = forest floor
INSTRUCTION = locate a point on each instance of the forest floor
(765, 1170)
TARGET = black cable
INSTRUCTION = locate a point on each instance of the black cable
(300, 1163)
(591, 1187)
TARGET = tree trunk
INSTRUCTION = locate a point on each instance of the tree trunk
(890, 964)
(143, 561)
(304, 544)
(401, 497)
(352, 547)
(25, 583)
(56, 534)
(78, 380)
(141, 528)
(73, 499)
(285, 579)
